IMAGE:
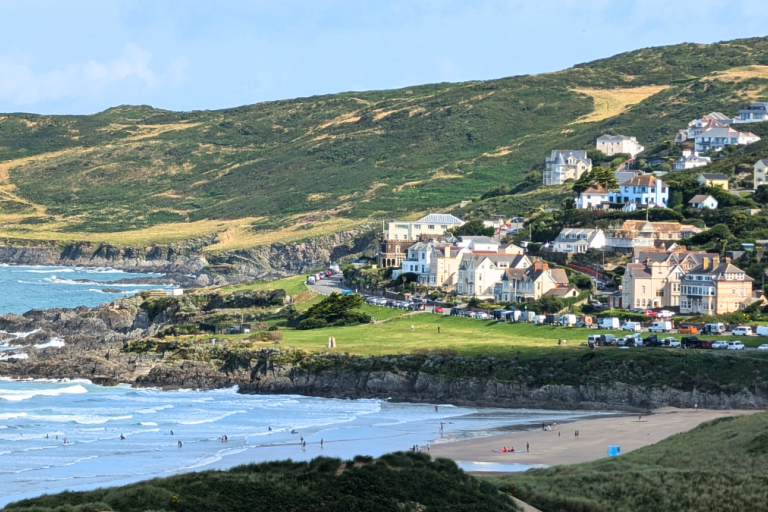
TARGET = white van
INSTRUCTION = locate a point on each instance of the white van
(631, 326)
(742, 331)
(608, 323)
(762, 330)
(713, 329)
(660, 327)
(568, 319)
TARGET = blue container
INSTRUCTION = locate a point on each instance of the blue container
(614, 450)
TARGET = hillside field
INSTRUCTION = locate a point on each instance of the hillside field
(294, 169)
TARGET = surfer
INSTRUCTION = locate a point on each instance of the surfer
(122, 437)
(270, 429)
(179, 444)
(171, 432)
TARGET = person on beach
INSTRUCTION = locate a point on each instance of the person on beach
(696, 407)
(412, 327)
(321, 442)
(558, 434)
(435, 408)
(527, 447)
(438, 329)
(427, 447)
(179, 444)
(269, 429)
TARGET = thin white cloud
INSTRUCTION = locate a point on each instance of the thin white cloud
(20, 85)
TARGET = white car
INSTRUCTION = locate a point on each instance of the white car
(670, 342)
(720, 345)
(742, 331)
(664, 313)
(735, 345)
(483, 316)
(764, 346)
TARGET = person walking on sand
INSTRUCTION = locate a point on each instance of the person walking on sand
(435, 408)
(527, 447)
(171, 432)
(321, 442)
(180, 444)
(695, 407)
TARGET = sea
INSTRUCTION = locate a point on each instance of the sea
(72, 434)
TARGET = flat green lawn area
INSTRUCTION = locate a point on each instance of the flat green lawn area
(292, 285)
(466, 336)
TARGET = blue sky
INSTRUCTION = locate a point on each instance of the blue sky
(83, 56)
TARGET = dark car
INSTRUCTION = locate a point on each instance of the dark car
(651, 341)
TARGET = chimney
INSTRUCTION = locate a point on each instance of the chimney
(705, 263)
(728, 259)
(647, 261)
(545, 266)
(538, 265)
(686, 152)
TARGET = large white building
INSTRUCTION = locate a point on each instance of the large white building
(695, 127)
(433, 224)
(565, 165)
(718, 138)
(645, 190)
(593, 197)
(616, 144)
(479, 271)
(578, 240)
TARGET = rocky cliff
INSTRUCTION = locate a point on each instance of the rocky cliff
(189, 257)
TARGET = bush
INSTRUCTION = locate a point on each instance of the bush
(311, 323)
(275, 336)
(273, 328)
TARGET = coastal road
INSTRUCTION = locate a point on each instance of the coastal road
(328, 285)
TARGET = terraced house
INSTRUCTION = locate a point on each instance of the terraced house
(531, 283)
(715, 288)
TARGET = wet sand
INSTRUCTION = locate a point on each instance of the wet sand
(595, 435)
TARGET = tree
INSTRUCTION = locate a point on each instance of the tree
(501, 190)
(761, 194)
(605, 177)
(473, 228)
(584, 182)
(549, 304)
(580, 280)
(676, 198)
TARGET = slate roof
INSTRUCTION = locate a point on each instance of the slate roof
(714, 176)
(699, 199)
(440, 218)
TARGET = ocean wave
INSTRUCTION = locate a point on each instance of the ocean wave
(80, 419)
(13, 395)
(148, 423)
(214, 458)
(13, 356)
(154, 409)
(57, 271)
(11, 415)
(210, 420)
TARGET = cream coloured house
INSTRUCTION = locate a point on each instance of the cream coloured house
(531, 283)
(565, 165)
(760, 173)
(615, 144)
(480, 271)
(434, 224)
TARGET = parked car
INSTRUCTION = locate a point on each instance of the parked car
(581, 323)
(665, 313)
(651, 341)
(720, 345)
(764, 346)
(742, 331)
(717, 328)
(650, 313)
(483, 316)
(735, 345)
(438, 309)
(670, 342)
(607, 340)
(631, 326)
(664, 326)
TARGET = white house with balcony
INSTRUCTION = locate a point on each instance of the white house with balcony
(753, 113)
(644, 190)
(418, 261)
(718, 138)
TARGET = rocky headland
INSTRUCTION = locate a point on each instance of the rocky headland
(101, 343)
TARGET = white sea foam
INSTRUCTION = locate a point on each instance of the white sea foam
(11, 415)
(154, 409)
(80, 419)
(210, 420)
(53, 342)
(148, 423)
(12, 356)
(13, 395)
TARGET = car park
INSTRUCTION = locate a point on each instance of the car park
(720, 345)
(735, 345)
(742, 331)
(670, 342)
(762, 347)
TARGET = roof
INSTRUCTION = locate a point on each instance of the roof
(440, 218)
(573, 235)
(615, 138)
(477, 239)
(562, 291)
(624, 176)
(559, 275)
(644, 180)
(638, 270)
(718, 272)
(714, 176)
(700, 199)
(763, 161)
(578, 154)
(596, 188)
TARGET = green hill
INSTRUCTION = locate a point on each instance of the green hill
(326, 162)
(720, 465)
(397, 482)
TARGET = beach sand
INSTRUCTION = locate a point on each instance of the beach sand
(595, 435)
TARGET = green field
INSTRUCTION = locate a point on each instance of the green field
(718, 466)
(294, 169)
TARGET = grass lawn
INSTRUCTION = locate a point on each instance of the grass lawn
(466, 336)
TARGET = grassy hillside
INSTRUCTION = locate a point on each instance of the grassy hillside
(302, 167)
(720, 465)
(397, 482)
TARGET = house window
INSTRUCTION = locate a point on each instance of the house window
(417, 226)
(397, 249)
(444, 227)
(431, 226)
(643, 289)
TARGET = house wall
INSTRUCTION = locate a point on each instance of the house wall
(731, 295)
(759, 175)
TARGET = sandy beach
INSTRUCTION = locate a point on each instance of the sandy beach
(561, 446)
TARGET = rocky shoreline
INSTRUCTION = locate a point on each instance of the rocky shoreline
(94, 348)
(188, 263)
